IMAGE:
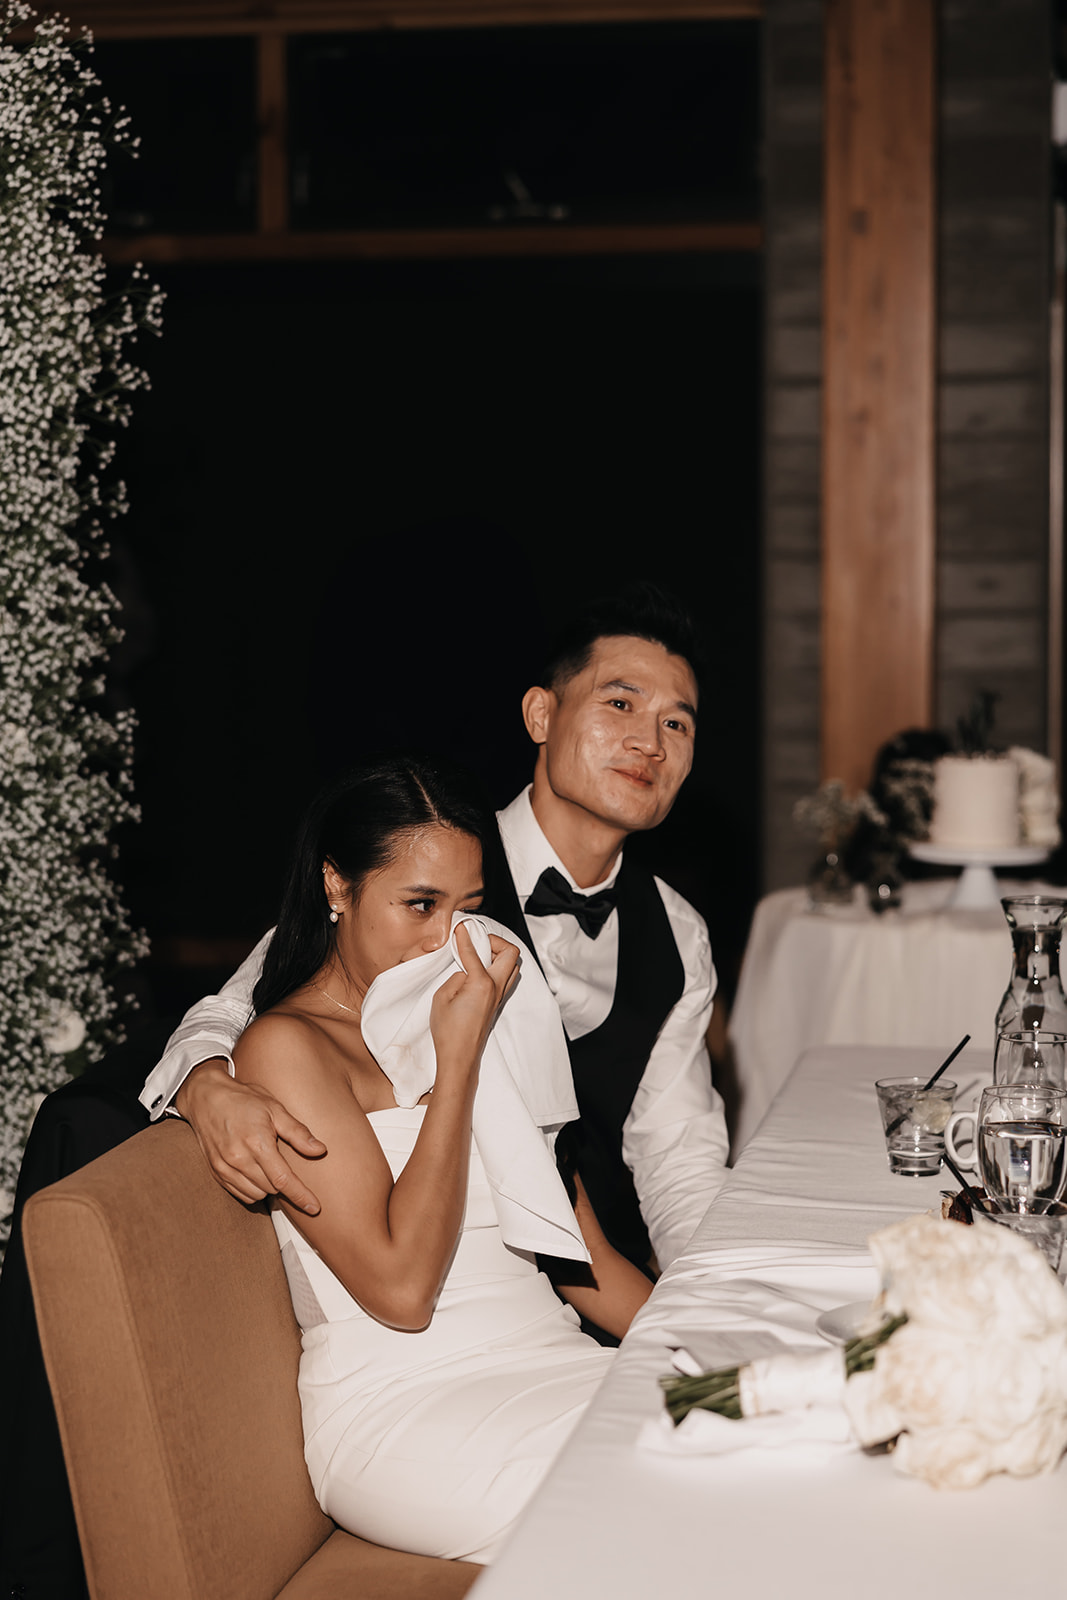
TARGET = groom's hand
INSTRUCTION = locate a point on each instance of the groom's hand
(240, 1129)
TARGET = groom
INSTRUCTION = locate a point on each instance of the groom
(627, 958)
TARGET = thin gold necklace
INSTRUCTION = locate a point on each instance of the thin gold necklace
(339, 1003)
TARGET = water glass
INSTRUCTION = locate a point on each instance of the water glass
(1031, 1055)
(913, 1119)
(1019, 1142)
(1045, 1230)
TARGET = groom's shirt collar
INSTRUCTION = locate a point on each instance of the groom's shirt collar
(529, 852)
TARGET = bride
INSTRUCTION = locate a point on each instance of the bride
(440, 1372)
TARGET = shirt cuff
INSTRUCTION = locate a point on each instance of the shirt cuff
(164, 1081)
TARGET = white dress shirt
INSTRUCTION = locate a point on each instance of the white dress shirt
(674, 1139)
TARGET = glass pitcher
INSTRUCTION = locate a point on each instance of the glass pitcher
(1034, 998)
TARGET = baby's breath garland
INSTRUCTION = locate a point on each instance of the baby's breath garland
(65, 767)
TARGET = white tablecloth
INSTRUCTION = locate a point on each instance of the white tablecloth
(917, 976)
(783, 1241)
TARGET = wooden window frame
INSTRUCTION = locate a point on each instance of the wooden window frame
(271, 22)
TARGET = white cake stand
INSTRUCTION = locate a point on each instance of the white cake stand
(977, 888)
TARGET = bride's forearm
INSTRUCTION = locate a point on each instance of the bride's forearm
(391, 1242)
(425, 1207)
(388, 1242)
(425, 1212)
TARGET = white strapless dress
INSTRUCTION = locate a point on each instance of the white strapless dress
(435, 1441)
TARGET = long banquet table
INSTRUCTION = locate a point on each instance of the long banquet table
(923, 975)
(782, 1242)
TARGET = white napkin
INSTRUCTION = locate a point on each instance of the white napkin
(818, 1431)
(788, 1398)
(525, 1088)
(758, 1304)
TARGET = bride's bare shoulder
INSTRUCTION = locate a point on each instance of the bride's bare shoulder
(285, 1039)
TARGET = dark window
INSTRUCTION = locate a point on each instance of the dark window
(590, 124)
(193, 105)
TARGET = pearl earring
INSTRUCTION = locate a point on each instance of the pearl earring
(333, 914)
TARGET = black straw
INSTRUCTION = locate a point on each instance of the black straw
(972, 1199)
(898, 1122)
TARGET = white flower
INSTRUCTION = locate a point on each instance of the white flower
(833, 815)
(66, 1033)
(65, 767)
(925, 1372)
(873, 1417)
(947, 1458)
(1039, 801)
(966, 1279)
(1035, 1446)
(976, 1380)
(15, 747)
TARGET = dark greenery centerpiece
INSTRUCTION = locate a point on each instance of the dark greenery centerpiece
(974, 730)
(902, 796)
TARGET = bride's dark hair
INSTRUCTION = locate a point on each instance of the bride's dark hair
(355, 824)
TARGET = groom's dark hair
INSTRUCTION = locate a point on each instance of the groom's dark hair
(640, 611)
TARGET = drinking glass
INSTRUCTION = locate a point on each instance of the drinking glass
(1019, 1144)
(1045, 1230)
(1031, 1055)
(914, 1118)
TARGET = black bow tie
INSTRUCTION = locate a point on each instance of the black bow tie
(552, 894)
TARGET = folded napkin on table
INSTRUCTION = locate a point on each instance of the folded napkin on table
(757, 1304)
(525, 1088)
(818, 1431)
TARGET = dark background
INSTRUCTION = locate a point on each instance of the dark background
(363, 493)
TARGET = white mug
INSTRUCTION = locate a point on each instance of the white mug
(1034, 1175)
(970, 1162)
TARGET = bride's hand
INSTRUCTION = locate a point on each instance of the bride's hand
(463, 1009)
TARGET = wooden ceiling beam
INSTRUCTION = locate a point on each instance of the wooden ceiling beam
(437, 243)
(143, 19)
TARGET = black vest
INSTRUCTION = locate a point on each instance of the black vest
(609, 1062)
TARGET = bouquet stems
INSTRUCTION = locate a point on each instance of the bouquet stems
(719, 1391)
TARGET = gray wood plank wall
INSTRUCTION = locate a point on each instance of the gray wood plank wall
(994, 203)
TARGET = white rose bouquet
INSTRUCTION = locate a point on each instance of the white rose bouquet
(967, 1377)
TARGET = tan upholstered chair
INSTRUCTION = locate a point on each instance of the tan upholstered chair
(172, 1354)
